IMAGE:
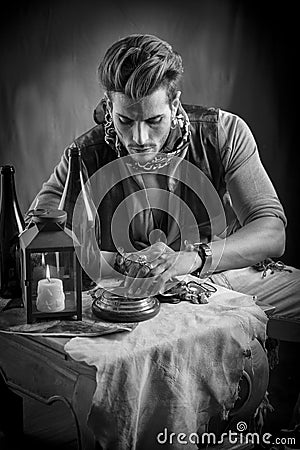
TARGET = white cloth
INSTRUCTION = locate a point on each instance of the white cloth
(172, 372)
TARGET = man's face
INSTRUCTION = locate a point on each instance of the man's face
(143, 126)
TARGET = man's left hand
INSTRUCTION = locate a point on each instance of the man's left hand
(165, 264)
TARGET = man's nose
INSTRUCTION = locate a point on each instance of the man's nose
(140, 133)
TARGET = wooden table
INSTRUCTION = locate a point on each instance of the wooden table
(39, 368)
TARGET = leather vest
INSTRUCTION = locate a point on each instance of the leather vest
(203, 153)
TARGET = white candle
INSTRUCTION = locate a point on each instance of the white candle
(57, 262)
(50, 294)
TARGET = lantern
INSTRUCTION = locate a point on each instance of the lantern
(51, 272)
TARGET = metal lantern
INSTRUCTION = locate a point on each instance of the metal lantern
(51, 272)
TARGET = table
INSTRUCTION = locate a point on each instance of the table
(43, 360)
(40, 368)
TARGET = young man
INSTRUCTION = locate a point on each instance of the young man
(182, 188)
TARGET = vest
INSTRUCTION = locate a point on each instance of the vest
(203, 153)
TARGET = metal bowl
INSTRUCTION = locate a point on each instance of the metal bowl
(115, 308)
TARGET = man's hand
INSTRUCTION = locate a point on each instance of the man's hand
(160, 264)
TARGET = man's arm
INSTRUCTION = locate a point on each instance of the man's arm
(50, 194)
(254, 201)
(257, 240)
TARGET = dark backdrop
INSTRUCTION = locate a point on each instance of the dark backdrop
(238, 55)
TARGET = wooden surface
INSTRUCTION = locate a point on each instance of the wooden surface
(38, 369)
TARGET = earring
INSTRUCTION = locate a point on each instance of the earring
(174, 123)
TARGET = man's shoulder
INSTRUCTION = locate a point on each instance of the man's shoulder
(95, 151)
(199, 113)
(92, 137)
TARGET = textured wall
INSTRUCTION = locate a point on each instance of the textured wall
(237, 56)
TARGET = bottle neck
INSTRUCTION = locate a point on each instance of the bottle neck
(73, 183)
(8, 189)
(74, 160)
(9, 207)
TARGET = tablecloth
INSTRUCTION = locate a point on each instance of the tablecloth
(13, 320)
(171, 373)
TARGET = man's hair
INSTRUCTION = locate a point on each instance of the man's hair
(139, 64)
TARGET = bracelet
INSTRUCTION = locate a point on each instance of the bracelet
(205, 253)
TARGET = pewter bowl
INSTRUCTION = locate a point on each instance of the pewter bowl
(115, 308)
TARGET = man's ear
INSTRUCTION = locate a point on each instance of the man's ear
(175, 103)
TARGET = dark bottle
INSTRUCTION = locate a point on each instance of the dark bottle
(85, 223)
(74, 184)
(11, 225)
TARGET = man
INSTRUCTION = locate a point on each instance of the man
(197, 197)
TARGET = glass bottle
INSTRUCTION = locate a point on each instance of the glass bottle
(86, 224)
(11, 225)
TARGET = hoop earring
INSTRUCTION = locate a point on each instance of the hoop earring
(174, 123)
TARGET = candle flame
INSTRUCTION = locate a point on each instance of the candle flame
(43, 259)
(48, 273)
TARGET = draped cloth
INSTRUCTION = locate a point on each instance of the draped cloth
(172, 372)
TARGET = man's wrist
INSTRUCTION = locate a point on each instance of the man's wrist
(199, 261)
(205, 254)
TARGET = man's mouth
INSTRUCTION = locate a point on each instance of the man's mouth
(141, 149)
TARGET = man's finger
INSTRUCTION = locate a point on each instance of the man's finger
(141, 287)
(160, 268)
(131, 273)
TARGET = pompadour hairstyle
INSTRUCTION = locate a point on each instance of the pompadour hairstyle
(139, 64)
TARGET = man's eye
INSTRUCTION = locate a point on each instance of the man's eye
(125, 121)
(154, 121)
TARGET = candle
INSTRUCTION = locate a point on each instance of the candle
(50, 294)
(57, 262)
